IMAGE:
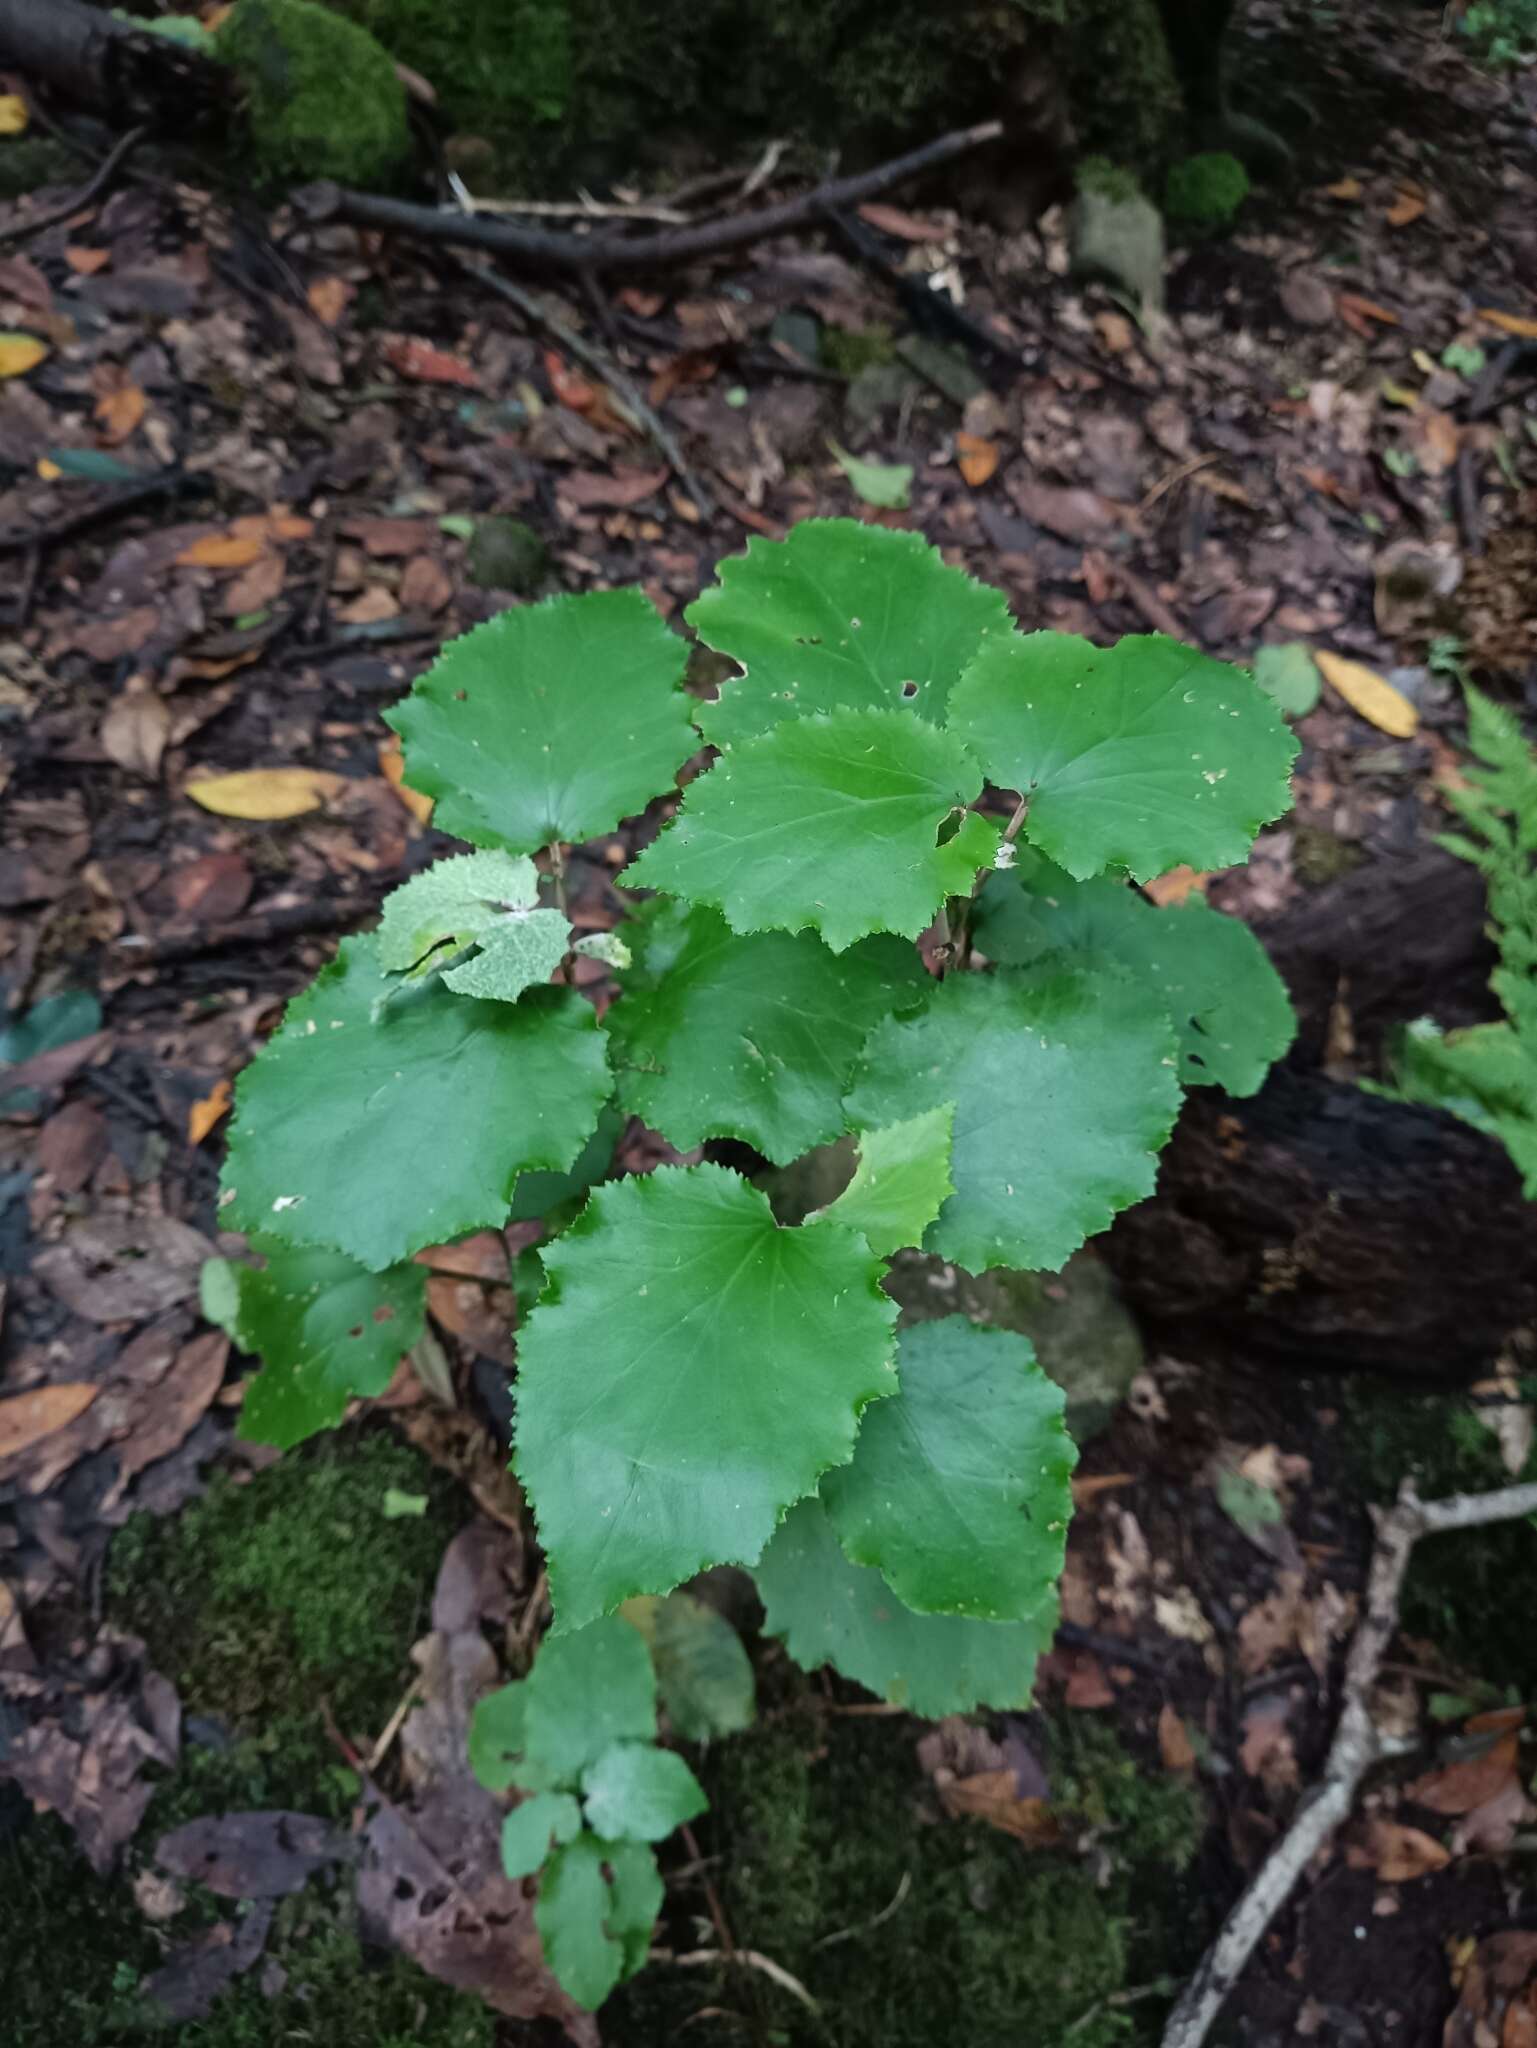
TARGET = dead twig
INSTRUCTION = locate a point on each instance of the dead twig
(538, 249)
(747, 1959)
(1357, 1746)
(94, 186)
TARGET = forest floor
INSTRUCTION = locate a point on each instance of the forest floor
(1330, 444)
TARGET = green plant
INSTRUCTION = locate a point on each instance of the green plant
(1206, 190)
(696, 1384)
(322, 97)
(1487, 1074)
(1503, 32)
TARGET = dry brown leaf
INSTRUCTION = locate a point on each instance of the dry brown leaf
(1470, 1782)
(425, 585)
(119, 413)
(1509, 323)
(86, 262)
(1115, 331)
(1491, 1828)
(25, 1419)
(1358, 313)
(392, 765)
(976, 458)
(1368, 695)
(1344, 188)
(1407, 207)
(1174, 1744)
(1221, 486)
(371, 608)
(206, 1113)
(1436, 438)
(329, 298)
(221, 551)
(255, 588)
(266, 793)
(992, 1796)
(1177, 886)
(1087, 1487)
(1397, 1853)
(907, 227)
(135, 731)
(1498, 2003)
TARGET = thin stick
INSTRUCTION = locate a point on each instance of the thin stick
(538, 249)
(747, 1958)
(602, 365)
(1357, 1745)
(100, 178)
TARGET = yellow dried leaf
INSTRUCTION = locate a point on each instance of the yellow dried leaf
(204, 1114)
(1347, 188)
(48, 469)
(13, 114)
(1509, 323)
(26, 1418)
(1407, 207)
(328, 298)
(266, 794)
(221, 551)
(1367, 694)
(20, 353)
(392, 763)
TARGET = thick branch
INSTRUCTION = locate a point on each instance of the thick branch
(1356, 1747)
(538, 249)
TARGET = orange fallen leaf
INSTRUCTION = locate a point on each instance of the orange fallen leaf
(203, 1115)
(1407, 207)
(1358, 313)
(1471, 1781)
(1437, 438)
(1088, 1486)
(1509, 323)
(1174, 1744)
(1498, 1721)
(569, 386)
(277, 524)
(221, 551)
(1366, 693)
(329, 298)
(266, 794)
(120, 412)
(86, 262)
(20, 353)
(392, 765)
(976, 458)
(419, 360)
(1397, 1853)
(26, 1418)
(992, 1796)
(1344, 188)
(1176, 886)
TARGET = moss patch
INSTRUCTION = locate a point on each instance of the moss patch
(1206, 190)
(824, 1822)
(322, 97)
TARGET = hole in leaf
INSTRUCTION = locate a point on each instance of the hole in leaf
(384, 1313)
(909, 689)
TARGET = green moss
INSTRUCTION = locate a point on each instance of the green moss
(823, 1824)
(1320, 856)
(266, 1598)
(1108, 180)
(1206, 190)
(322, 97)
(494, 64)
(849, 350)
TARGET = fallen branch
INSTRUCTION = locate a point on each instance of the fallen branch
(600, 255)
(1357, 1746)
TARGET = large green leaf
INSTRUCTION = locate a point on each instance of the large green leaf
(572, 1914)
(959, 1489)
(702, 1671)
(636, 1792)
(635, 1899)
(1065, 1091)
(385, 1116)
(324, 1327)
(830, 822)
(551, 721)
(589, 1688)
(901, 1181)
(530, 1828)
(828, 1611)
(1209, 972)
(839, 614)
(1137, 756)
(538, 1194)
(690, 1370)
(751, 1038)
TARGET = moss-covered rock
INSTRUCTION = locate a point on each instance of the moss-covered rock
(1206, 190)
(322, 96)
(506, 554)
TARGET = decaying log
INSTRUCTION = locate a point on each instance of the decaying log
(101, 61)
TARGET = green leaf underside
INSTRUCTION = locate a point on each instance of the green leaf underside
(840, 616)
(324, 1327)
(826, 822)
(1138, 756)
(531, 1827)
(828, 1611)
(959, 1489)
(451, 904)
(887, 484)
(753, 1038)
(551, 721)
(1065, 1091)
(703, 1673)
(381, 1133)
(571, 1913)
(497, 1728)
(589, 1688)
(522, 951)
(1210, 973)
(900, 1183)
(638, 1793)
(723, 1366)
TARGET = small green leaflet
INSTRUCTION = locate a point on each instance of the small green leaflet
(702, 1671)
(639, 1793)
(886, 484)
(381, 1126)
(529, 1829)
(828, 1611)
(635, 1899)
(496, 1735)
(959, 1489)
(1289, 677)
(572, 1914)
(324, 1327)
(1210, 973)
(840, 615)
(550, 722)
(1065, 1091)
(752, 1038)
(724, 1363)
(589, 1688)
(1136, 757)
(900, 1182)
(829, 822)
(485, 900)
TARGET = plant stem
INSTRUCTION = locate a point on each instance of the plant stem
(558, 874)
